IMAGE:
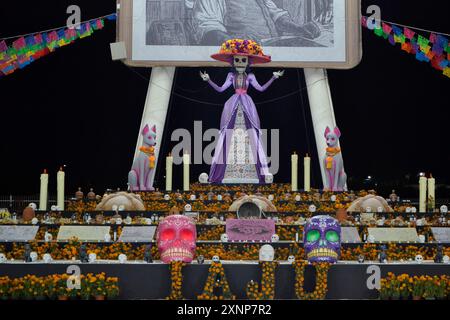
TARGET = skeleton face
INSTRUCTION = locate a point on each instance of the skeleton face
(419, 258)
(2, 258)
(122, 258)
(269, 178)
(92, 257)
(275, 238)
(47, 258)
(312, 208)
(224, 237)
(446, 259)
(203, 178)
(48, 237)
(444, 209)
(216, 259)
(291, 259)
(322, 237)
(166, 197)
(200, 259)
(33, 256)
(266, 253)
(176, 237)
(188, 207)
(240, 63)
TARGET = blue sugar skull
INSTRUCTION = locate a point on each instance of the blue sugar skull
(322, 239)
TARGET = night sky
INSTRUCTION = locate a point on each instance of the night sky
(79, 108)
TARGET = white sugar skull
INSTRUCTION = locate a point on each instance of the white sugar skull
(419, 258)
(48, 236)
(192, 197)
(266, 253)
(92, 257)
(33, 206)
(333, 198)
(34, 221)
(298, 198)
(312, 208)
(34, 256)
(240, 63)
(275, 238)
(203, 178)
(219, 197)
(216, 259)
(3, 258)
(413, 210)
(53, 208)
(224, 237)
(122, 258)
(269, 178)
(107, 237)
(188, 208)
(446, 259)
(270, 197)
(444, 209)
(408, 210)
(47, 258)
(422, 238)
(291, 259)
(380, 210)
(166, 197)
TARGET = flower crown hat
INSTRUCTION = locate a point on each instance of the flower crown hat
(240, 47)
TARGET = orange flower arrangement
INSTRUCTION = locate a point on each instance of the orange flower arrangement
(267, 283)
(321, 281)
(216, 279)
(176, 275)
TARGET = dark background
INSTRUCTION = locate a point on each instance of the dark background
(76, 107)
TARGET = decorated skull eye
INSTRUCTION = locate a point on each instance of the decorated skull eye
(186, 235)
(313, 236)
(236, 60)
(332, 236)
(244, 60)
(168, 234)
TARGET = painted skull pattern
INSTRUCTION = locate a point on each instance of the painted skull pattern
(176, 238)
(322, 239)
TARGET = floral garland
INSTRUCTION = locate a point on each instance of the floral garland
(216, 279)
(321, 288)
(241, 46)
(267, 283)
(176, 276)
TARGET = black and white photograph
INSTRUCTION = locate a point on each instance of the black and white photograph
(292, 30)
(278, 23)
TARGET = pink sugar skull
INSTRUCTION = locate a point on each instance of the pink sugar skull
(176, 238)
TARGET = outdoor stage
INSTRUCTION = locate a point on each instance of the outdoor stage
(138, 280)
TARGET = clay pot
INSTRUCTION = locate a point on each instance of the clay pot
(341, 215)
(28, 214)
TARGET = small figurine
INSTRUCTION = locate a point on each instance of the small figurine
(79, 195)
(200, 259)
(27, 254)
(148, 254)
(84, 258)
(361, 258)
(393, 197)
(439, 258)
(91, 195)
(383, 255)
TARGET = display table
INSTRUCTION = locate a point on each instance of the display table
(138, 280)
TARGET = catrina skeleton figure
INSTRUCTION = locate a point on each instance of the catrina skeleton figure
(239, 155)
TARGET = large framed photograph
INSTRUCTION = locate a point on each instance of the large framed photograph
(296, 33)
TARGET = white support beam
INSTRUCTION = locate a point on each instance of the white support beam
(156, 106)
(322, 111)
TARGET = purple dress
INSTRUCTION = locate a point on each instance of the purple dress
(239, 101)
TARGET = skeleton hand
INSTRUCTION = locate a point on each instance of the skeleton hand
(204, 76)
(278, 74)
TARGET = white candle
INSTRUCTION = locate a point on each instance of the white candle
(43, 191)
(422, 194)
(169, 167)
(186, 163)
(307, 175)
(60, 189)
(432, 192)
(294, 172)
